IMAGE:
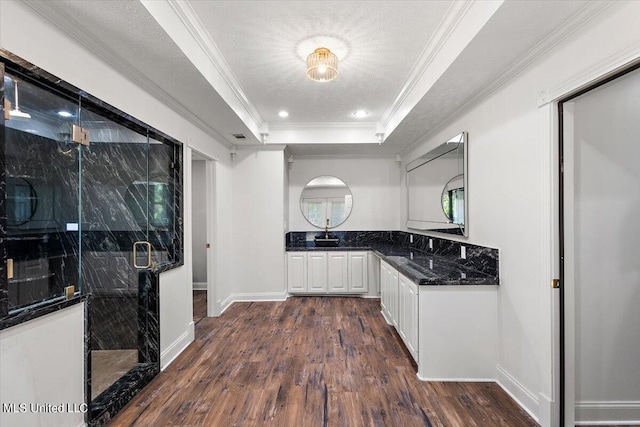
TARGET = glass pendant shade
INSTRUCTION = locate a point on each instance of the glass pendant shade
(322, 65)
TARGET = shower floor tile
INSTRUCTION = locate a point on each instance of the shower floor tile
(109, 365)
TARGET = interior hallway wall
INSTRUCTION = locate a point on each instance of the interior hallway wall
(258, 231)
(511, 146)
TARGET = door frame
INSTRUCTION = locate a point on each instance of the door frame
(565, 187)
(213, 309)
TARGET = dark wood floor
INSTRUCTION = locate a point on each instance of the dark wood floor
(309, 361)
(199, 305)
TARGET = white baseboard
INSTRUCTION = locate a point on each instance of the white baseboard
(389, 322)
(251, 297)
(261, 296)
(457, 380)
(602, 413)
(548, 411)
(177, 347)
(518, 392)
(200, 286)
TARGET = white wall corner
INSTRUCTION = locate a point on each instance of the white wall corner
(548, 415)
(226, 303)
(177, 347)
(518, 392)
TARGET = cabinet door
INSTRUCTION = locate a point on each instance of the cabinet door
(317, 272)
(412, 320)
(358, 272)
(337, 271)
(393, 295)
(384, 294)
(403, 323)
(297, 271)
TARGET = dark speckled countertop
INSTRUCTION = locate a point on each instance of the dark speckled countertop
(421, 266)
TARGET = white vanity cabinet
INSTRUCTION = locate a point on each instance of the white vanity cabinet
(399, 303)
(330, 272)
(408, 314)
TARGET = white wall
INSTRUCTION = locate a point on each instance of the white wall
(258, 231)
(50, 49)
(42, 362)
(510, 192)
(374, 184)
(607, 273)
(199, 221)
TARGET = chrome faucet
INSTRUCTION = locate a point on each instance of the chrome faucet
(326, 230)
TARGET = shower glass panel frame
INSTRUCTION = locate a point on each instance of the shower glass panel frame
(105, 218)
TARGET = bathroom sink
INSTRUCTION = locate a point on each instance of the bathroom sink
(326, 243)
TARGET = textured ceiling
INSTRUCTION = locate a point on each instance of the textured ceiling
(260, 41)
(263, 45)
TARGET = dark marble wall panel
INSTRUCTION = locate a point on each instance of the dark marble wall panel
(4, 295)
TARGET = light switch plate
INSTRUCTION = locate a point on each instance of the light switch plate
(431, 244)
(410, 238)
(463, 252)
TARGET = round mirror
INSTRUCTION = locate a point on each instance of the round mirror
(22, 201)
(453, 199)
(326, 201)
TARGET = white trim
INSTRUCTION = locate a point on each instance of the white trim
(65, 22)
(613, 412)
(600, 70)
(201, 36)
(260, 296)
(457, 380)
(177, 347)
(226, 303)
(583, 17)
(199, 286)
(518, 392)
(447, 26)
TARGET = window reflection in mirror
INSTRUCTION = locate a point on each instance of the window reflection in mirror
(436, 183)
(22, 201)
(326, 201)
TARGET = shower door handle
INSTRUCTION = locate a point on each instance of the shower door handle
(135, 255)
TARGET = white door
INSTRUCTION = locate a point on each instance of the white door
(601, 285)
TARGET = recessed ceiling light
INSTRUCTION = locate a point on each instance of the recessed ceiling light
(64, 113)
(361, 114)
(283, 114)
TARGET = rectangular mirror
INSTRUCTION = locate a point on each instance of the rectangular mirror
(436, 184)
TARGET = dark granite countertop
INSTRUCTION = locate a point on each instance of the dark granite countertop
(421, 267)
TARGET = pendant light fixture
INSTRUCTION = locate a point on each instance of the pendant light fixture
(16, 111)
(322, 65)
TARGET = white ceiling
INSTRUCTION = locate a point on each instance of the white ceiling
(230, 66)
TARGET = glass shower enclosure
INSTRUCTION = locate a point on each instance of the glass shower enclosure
(96, 217)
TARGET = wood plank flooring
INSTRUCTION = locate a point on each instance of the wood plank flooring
(309, 361)
(199, 305)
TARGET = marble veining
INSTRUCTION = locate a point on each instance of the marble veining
(93, 203)
(438, 266)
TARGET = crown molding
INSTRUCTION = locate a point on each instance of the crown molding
(447, 26)
(321, 125)
(51, 12)
(199, 33)
(583, 17)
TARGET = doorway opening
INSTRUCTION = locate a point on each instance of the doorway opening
(599, 202)
(202, 196)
